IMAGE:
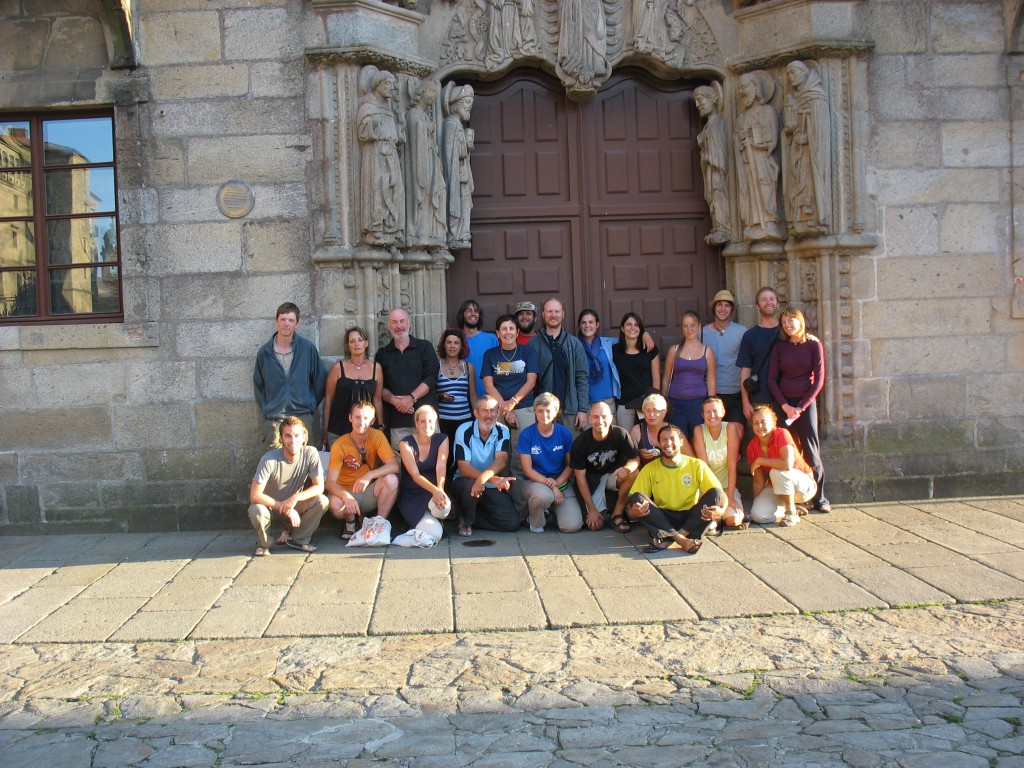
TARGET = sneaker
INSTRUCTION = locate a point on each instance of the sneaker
(711, 529)
(536, 529)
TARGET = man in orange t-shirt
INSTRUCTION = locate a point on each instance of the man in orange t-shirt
(362, 474)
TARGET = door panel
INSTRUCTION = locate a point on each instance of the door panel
(600, 204)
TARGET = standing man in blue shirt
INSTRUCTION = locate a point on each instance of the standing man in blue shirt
(289, 378)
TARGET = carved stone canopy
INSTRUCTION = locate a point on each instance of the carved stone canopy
(581, 41)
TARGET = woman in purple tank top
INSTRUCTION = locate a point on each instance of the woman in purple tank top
(689, 375)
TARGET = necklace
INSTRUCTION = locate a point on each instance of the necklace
(451, 369)
(509, 359)
(358, 366)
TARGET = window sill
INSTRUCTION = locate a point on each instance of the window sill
(80, 336)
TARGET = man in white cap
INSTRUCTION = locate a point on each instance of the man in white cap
(526, 320)
(724, 336)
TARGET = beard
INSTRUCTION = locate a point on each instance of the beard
(525, 327)
(467, 324)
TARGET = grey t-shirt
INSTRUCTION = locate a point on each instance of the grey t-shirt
(282, 479)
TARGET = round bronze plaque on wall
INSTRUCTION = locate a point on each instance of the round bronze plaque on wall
(235, 199)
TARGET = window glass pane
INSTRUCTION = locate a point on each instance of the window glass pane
(17, 244)
(15, 193)
(82, 291)
(15, 147)
(80, 140)
(81, 241)
(80, 191)
(18, 294)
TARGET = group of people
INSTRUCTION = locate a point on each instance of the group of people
(534, 424)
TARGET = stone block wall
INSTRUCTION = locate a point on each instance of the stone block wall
(151, 423)
(940, 403)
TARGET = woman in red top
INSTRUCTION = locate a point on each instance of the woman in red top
(782, 479)
(796, 374)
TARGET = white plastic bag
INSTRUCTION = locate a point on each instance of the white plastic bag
(376, 532)
(415, 538)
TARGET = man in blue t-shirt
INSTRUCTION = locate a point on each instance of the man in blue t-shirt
(470, 319)
(544, 449)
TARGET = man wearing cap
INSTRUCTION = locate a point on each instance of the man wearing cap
(724, 336)
(526, 320)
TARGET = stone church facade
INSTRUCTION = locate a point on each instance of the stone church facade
(863, 157)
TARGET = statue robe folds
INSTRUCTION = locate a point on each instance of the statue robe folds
(757, 137)
(427, 190)
(582, 41)
(458, 144)
(807, 126)
(381, 187)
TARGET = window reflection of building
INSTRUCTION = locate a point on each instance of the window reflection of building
(18, 245)
(76, 255)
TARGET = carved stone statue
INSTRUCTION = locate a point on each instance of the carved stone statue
(757, 136)
(381, 187)
(510, 29)
(582, 43)
(807, 127)
(714, 160)
(458, 143)
(650, 29)
(425, 184)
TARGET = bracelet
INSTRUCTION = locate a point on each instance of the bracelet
(564, 486)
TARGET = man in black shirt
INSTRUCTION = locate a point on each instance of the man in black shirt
(604, 459)
(410, 367)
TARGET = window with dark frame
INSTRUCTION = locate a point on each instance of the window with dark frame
(60, 256)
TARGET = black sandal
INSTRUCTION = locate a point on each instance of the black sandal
(621, 524)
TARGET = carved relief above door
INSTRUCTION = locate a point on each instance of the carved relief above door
(599, 203)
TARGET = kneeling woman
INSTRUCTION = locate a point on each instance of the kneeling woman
(424, 461)
(782, 479)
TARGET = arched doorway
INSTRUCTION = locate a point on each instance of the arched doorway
(599, 203)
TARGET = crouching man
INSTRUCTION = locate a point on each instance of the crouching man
(362, 474)
(676, 496)
(290, 481)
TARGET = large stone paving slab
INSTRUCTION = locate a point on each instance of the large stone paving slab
(894, 586)
(810, 586)
(725, 589)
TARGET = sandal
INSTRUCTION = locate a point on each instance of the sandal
(348, 530)
(465, 531)
(621, 524)
(261, 552)
(308, 548)
(284, 538)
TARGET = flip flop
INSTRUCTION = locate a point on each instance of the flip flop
(261, 552)
(465, 530)
(621, 524)
(284, 538)
(308, 548)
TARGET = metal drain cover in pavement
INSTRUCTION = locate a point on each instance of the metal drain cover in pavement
(478, 543)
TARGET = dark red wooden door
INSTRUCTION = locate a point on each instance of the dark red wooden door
(599, 204)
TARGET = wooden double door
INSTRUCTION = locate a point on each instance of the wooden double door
(599, 204)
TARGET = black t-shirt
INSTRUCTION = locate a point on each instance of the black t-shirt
(634, 372)
(600, 457)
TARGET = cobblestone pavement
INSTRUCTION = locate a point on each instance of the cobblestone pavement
(920, 685)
